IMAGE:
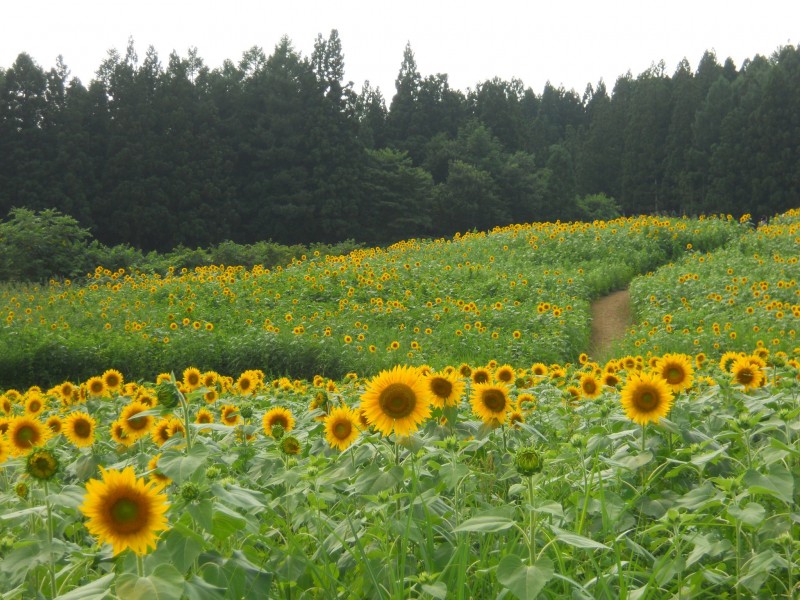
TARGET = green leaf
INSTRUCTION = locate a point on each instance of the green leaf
(71, 496)
(99, 589)
(241, 497)
(199, 589)
(486, 524)
(373, 479)
(226, 522)
(779, 483)
(179, 466)
(437, 590)
(700, 497)
(579, 541)
(753, 514)
(634, 462)
(164, 583)
(184, 546)
(702, 459)
(525, 582)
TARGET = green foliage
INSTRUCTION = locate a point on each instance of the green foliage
(598, 207)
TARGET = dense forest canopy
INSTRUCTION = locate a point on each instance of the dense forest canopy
(281, 147)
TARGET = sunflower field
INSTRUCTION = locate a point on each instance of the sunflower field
(447, 462)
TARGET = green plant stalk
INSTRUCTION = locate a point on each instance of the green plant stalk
(533, 518)
(50, 531)
(185, 408)
(139, 565)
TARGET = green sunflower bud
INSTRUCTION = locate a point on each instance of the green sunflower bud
(527, 461)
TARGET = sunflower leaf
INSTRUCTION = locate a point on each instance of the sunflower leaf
(525, 582)
(95, 590)
(164, 583)
(179, 466)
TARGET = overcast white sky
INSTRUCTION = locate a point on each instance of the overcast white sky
(566, 43)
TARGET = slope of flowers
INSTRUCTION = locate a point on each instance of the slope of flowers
(735, 298)
(516, 293)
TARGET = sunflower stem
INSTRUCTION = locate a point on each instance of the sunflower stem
(532, 544)
(52, 562)
(139, 565)
(185, 408)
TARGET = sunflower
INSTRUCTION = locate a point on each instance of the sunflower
(646, 397)
(4, 450)
(229, 414)
(5, 404)
(124, 511)
(95, 386)
(55, 424)
(192, 378)
(539, 369)
(505, 373)
(515, 419)
(397, 400)
(291, 446)
(4, 422)
(25, 433)
(112, 379)
(120, 435)
(160, 432)
(341, 428)
(481, 375)
(747, 373)
(34, 405)
(209, 379)
(589, 386)
(490, 402)
(41, 464)
(246, 384)
(464, 370)
(526, 402)
(676, 370)
(79, 429)
(204, 416)
(156, 475)
(611, 380)
(277, 416)
(136, 426)
(445, 390)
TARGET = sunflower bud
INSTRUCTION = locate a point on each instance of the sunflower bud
(22, 490)
(190, 492)
(527, 461)
(290, 445)
(213, 472)
(578, 441)
(42, 464)
(246, 410)
(277, 431)
(167, 394)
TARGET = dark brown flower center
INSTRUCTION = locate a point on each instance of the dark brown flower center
(397, 400)
(494, 400)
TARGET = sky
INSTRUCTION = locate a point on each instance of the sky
(569, 44)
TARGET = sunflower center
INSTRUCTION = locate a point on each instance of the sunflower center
(125, 513)
(96, 388)
(398, 400)
(494, 400)
(35, 406)
(280, 420)
(342, 429)
(647, 400)
(441, 387)
(26, 435)
(745, 376)
(481, 377)
(82, 429)
(674, 375)
(136, 422)
(589, 386)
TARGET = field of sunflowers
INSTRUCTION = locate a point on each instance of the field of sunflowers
(419, 421)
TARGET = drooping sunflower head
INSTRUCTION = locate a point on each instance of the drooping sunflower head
(490, 402)
(464, 370)
(42, 464)
(646, 397)
(26, 433)
(277, 416)
(515, 419)
(125, 511)
(341, 428)
(156, 475)
(445, 389)
(676, 370)
(79, 429)
(291, 446)
(396, 400)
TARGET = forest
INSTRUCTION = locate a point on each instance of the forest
(282, 147)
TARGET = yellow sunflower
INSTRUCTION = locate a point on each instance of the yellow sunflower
(277, 416)
(125, 511)
(79, 429)
(515, 419)
(156, 475)
(25, 433)
(34, 405)
(341, 428)
(229, 414)
(4, 450)
(747, 373)
(505, 373)
(95, 386)
(136, 426)
(676, 370)
(490, 402)
(112, 379)
(481, 375)
(445, 389)
(589, 386)
(192, 378)
(54, 423)
(204, 416)
(120, 435)
(160, 432)
(396, 400)
(646, 397)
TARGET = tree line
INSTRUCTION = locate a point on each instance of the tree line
(283, 148)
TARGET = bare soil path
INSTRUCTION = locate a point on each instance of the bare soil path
(611, 315)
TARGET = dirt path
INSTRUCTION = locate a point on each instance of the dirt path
(611, 315)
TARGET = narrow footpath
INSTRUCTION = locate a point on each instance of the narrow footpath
(611, 316)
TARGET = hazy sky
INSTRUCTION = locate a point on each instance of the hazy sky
(566, 43)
